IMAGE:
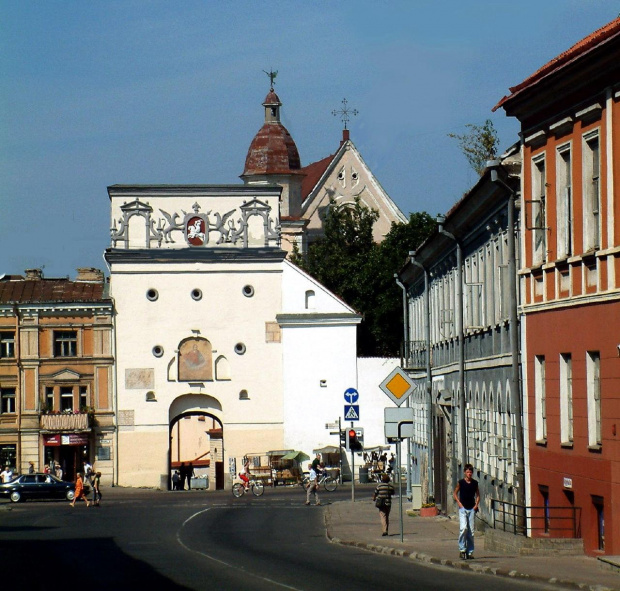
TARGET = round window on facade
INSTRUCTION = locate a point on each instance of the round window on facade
(239, 348)
(158, 350)
(152, 295)
(248, 291)
(196, 294)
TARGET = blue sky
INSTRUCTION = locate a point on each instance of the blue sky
(99, 93)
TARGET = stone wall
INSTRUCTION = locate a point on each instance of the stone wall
(507, 543)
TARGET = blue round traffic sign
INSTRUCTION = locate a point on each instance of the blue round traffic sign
(351, 395)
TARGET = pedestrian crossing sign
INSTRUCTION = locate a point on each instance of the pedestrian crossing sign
(351, 412)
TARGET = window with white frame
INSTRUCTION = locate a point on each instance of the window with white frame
(538, 222)
(566, 398)
(7, 400)
(65, 343)
(540, 397)
(593, 381)
(66, 398)
(564, 201)
(49, 398)
(7, 344)
(84, 398)
(591, 192)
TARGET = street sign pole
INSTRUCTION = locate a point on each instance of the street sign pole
(400, 489)
(339, 452)
(352, 473)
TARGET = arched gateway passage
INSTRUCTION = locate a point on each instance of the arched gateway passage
(196, 437)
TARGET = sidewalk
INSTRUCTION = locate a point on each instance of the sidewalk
(434, 540)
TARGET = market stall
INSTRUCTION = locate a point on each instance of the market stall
(285, 466)
(331, 457)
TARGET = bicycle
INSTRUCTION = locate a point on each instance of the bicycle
(256, 486)
(327, 482)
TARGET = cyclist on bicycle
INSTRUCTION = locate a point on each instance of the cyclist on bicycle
(245, 475)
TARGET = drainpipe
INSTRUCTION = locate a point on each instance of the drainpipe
(429, 375)
(408, 401)
(459, 322)
(515, 386)
(18, 391)
(115, 476)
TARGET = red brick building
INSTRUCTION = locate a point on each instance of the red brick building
(569, 112)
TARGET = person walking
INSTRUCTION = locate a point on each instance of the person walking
(6, 474)
(30, 467)
(383, 501)
(467, 496)
(79, 491)
(97, 489)
(190, 474)
(313, 486)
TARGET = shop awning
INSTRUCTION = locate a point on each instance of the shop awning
(279, 452)
(300, 456)
(377, 448)
(328, 449)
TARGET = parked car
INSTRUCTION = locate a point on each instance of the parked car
(37, 486)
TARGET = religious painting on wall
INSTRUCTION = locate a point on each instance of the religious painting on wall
(195, 362)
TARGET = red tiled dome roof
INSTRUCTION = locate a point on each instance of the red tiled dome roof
(272, 151)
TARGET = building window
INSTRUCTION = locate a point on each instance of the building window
(591, 192)
(66, 398)
(49, 398)
(65, 343)
(566, 398)
(564, 202)
(8, 455)
(540, 398)
(538, 223)
(7, 344)
(310, 299)
(599, 507)
(544, 493)
(84, 398)
(7, 404)
(593, 378)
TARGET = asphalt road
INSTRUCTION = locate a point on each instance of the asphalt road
(197, 540)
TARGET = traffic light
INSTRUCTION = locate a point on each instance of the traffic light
(343, 439)
(355, 439)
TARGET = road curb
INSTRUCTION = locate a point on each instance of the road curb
(459, 564)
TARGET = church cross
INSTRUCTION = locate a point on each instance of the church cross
(272, 76)
(344, 112)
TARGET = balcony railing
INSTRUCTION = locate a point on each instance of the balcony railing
(413, 355)
(65, 422)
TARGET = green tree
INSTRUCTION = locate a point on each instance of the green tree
(479, 144)
(383, 317)
(350, 264)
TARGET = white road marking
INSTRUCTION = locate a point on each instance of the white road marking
(223, 562)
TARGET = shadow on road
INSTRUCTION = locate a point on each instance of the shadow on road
(93, 563)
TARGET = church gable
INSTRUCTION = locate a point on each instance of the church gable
(343, 179)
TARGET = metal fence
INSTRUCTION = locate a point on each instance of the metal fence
(558, 522)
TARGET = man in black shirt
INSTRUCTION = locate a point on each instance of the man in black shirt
(467, 496)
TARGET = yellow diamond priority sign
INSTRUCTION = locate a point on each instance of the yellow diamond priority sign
(398, 385)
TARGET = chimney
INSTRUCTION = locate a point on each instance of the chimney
(345, 136)
(89, 274)
(34, 274)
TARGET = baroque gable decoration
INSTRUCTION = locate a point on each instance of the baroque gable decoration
(198, 228)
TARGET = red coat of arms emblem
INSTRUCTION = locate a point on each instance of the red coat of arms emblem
(195, 231)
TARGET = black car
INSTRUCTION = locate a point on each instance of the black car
(37, 486)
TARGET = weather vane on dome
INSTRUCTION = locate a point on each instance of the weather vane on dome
(272, 76)
(344, 112)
